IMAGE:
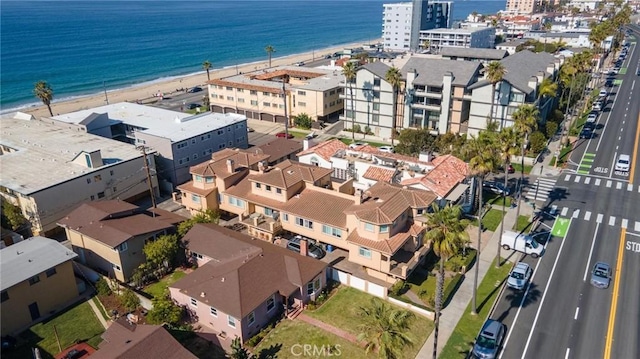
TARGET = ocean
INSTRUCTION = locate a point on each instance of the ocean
(82, 47)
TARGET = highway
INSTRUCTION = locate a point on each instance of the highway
(561, 315)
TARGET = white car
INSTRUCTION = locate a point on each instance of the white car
(603, 93)
(623, 163)
(519, 276)
(387, 149)
(597, 106)
(356, 144)
(592, 118)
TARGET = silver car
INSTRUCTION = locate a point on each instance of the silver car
(520, 276)
(489, 340)
(601, 275)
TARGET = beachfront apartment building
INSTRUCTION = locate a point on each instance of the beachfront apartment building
(260, 94)
(402, 22)
(242, 284)
(522, 6)
(436, 39)
(568, 39)
(179, 139)
(466, 54)
(37, 280)
(524, 71)
(47, 170)
(109, 236)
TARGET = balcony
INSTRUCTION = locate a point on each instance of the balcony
(403, 262)
(262, 226)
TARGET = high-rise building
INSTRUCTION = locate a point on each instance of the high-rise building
(402, 22)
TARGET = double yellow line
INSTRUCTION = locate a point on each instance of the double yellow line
(614, 299)
(634, 158)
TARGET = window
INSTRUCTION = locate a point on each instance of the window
(123, 247)
(100, 194)
(195, 198)
(266, 104)
(240, 90)
(278, 191)
(268, 188)
(51, 272)
(376, 82)
(271, 303)
(33, 280)
(97, 178)
(304, 222)
(88, 180)
(4, 296)
(241, 100)
(195, 156)
(335, 232)
(253, 92)
(313, 287)
(420, 211)
(254, 103)
(265, 93)
(384, 228)
(213, 311)
(230, 98)
(194, 302)
(93, 197)
(368, 227)
(232, 321)
(268, 211)
(376, 106)
(258, 185)
(198, 178)
(375, 118)
(208, 179)
(236, 202)
(302, 104)
(302, 93)
(116, 267)
(285, 217)
(251, 318)
(349, 113)
(364, 252)
(376, 94)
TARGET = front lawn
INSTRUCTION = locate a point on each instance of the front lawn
(491, 220)
(342, 310)
(464, 334)
(522, 223)
(492, 198)
(158, 288)
(77, 323)
(289, 337)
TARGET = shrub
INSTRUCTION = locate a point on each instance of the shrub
(129, 300)
(102, 286)
(453, 284)
(538, 142)
(303, 121)
(357, 129)
(399, 287)
(552, 128)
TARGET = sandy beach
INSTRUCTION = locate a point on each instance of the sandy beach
(144, 93)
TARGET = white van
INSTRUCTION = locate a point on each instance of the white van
(521, 243)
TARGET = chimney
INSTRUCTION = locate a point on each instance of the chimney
(231, 166)
(425, 157)
(261, 166)
(256, 221)
(304, 249)
(305, 144)
(358, 196)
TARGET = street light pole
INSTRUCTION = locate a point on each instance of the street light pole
(535, 198)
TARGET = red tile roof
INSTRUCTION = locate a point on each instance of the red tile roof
(325, 149)
(448, 172)
(387, 246)
(217, 165)
(379, 174)
(287, 174)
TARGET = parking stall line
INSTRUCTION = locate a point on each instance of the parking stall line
(636, 226)
(577, 179)
(612, 220)
(609, 184)
(619, 185)
(630, 187)
(587, 216)
(576, 213)
(624, 224)
(564, 212)
(567, 178)
(599, 218)
(587, 180)
(597, 183)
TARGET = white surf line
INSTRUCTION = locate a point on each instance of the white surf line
(544, 294)
(593, 242)
(524, 296)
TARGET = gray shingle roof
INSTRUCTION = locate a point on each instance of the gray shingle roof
(377, 68)
(431, 71)
(521, 66)
(489, 54)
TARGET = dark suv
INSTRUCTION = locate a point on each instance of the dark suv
(313, 250)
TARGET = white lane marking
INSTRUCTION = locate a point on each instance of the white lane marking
(587, 180)
(593, 243)
(567, 177)
(609, 184)
(566, 355)
(599, 218)
(587, 216)
(624, 223)
(630, 187)
(636, 227)
(575, 316)
(612, 221)
(577, 179)
(619, 185)
(576, 213)
(544, 295)
(597, 182)
(564, 211)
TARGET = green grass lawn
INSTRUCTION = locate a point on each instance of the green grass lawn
(158, 288)
(492, 219)
(342, 310)
(464, 334)
(298, 134)
(495, 199)
(419, 283)
(518, 168)
(287, 338)
(522, 223)
(77, 323)
(100, 307)
(348, 141)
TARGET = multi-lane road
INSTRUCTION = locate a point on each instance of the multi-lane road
(597, 218)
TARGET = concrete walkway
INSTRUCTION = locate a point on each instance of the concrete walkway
(98, 313)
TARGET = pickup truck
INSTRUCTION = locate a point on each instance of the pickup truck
(521, 243)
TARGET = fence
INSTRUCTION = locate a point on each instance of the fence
(412, 308)
(358, 283)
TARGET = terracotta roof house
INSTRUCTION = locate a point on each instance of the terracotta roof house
(126, 340)
(447, 179)
(109, 235)
(242, 283)
(320, 154)
(281, 149)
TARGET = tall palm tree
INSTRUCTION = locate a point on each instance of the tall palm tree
(447, 234)
(547, 27)
(394, 78)
(495, 72)
(207, 65)
(350, 71)
(270, 50)
(482, 161)
(526, 119)
(508, 143)
(385, 329)
(44, 92)
(547, 88)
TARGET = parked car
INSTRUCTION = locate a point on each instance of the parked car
(521, 243)
(623, 163)
(284, 135)
(496, 187)
(519, 276)
(597, 106)
(601, 275)
(194, 89)
(587, 132)
(356, 144)
(313, 250)
(193, 106)
(489, 340)
(250, 129)
(603, 93)
(310, 136)
(593, 116)
(387, 149)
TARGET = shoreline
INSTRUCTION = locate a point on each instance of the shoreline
(144, 92)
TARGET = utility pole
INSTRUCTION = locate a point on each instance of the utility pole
(146, 168)
(284, 98)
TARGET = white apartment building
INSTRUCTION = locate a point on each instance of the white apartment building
(521, 6)
(436, 39)
(584, 5)
(47, 170)
(402, 22)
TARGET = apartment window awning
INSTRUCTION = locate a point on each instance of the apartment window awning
(457, 192)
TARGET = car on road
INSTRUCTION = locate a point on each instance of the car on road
(387, 149)
(601, 275)
(313, 250)
(587, 132)
(592, 118)
(603, 93)
(193, 106)
(194, 89)
(284, 135)
(496, 187)
(597, 106)
(522, 243)
(250, 129)
(519, 276)
(609, 83)
(356, 144)
(301, 63)
(622, 164)
(489, 340)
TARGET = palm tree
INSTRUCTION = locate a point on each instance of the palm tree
(350, 71)
(44, 92)
(508, 146)
(482, 162)
(526, 118)
(447, 234)
(207, 65)
(394, 78)
(547, 27)
(384, 329)
(495, 72)
(270, 50)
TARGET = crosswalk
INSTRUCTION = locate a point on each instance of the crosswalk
(540, 189)
(598, 182)
(613, 221)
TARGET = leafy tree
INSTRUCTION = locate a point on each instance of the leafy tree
(349, 70)
(129, 300)
(447, 234)
(551, 128)
(161, 252)
(538, 142)
(495, 72)
(411, 142)
(385, 329)
(270, 50)
(508, 143)
(394, 78)
(102, 287)
(450, 143)
(303, 121)
(164, 311)
(12, 216)
(44, 92)
(206, 216)
(207, 65)
(238, 351)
